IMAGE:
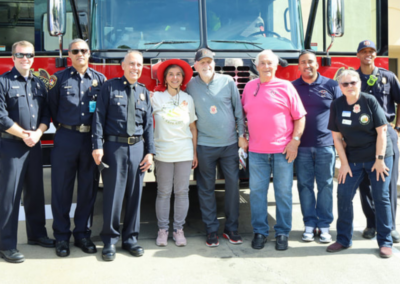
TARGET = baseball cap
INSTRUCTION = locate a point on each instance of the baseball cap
(203, 53)
(366, 44)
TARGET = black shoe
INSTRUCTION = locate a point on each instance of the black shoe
(108, 252)
(395, 236)
(233, 237)
(12, 255)
(86, 245)
(134, 250)
(43, 241)
(281, 242)
(368, 233)
(62, 248)
(258, 241)
(212, 240)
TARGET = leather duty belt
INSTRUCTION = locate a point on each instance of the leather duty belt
(80, 128)
(9, 136)
(128, 140)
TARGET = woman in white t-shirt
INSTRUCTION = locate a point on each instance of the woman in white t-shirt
(175, 139)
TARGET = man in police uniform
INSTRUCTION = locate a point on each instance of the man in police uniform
(72, 100)
(24, 117)
(384, 85)
(123, 119)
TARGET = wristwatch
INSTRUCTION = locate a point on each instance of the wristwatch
(379, 157)
(296, 138)
(397, 128)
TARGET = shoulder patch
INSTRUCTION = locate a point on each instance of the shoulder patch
(52, 81)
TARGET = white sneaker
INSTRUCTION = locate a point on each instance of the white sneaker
(179, 238)
(162, 239)
(325, 238)
(308, 237)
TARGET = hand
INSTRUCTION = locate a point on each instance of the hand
(381, 169)
(243, 143)
(32, 138)
(98, 155)
(291, 150)
(343, 171)
(195, 161)
(146, 163)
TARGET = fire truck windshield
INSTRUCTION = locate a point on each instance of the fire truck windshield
(254, 24)
(145, 24)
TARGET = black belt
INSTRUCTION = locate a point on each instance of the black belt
(128, 140)
(80, 128)
(9, 136)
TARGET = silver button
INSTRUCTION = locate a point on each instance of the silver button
(83, 114)
(29, 94)
(72, 73)
(83, 103)
(118, 103)
(15, 76)
(142, 108)
(67, 93)
(17, 95)
(82, 81)
(82, 93)
(33, 127)
(33, 115)
(31, 105)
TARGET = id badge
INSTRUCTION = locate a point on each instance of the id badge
(92, 106)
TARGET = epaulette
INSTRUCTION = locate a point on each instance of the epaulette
(141, 84)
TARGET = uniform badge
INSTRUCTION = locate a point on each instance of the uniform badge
(384, 80)
(323, 93)
(52, 81)
(95, 83)
(356, 108)
(364, 119)
(142, 97)
(213, 109)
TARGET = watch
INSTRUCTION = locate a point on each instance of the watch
(397, 128)
(297, 138)
(379, 157)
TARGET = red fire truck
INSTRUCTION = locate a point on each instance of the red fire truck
(236, 30)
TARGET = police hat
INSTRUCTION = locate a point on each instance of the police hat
(203, 53)
(366, 44)
(187, 69)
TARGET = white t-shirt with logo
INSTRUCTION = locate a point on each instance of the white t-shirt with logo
(172, 135)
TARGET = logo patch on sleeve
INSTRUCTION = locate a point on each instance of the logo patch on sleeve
(52, 81)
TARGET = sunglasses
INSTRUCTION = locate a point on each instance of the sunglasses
(346, 84)
(21, 55)
(76, 51)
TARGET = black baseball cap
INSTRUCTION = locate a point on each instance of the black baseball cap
(203, 53)
(366, 44)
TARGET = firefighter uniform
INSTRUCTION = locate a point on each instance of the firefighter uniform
(123, 178)
(22, 101)
(387, 91)
(72, 99)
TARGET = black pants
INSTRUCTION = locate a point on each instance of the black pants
(72, 156)
(365, 188)
(21, 169)
(122, 180)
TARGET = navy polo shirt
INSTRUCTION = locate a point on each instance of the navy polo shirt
(317, 98)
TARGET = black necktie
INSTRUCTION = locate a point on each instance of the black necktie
(130, 129)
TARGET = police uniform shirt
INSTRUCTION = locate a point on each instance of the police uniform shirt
(22, 101)
(317, 98)
(386, 90)
(111, 113)
(357, 123)
(70, 95)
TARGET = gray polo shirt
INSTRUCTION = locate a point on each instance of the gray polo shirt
(218, 110)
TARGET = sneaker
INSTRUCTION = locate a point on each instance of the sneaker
(385, 252)
(308, 237)
(179, 238)
(335, 247)
(162, 239)
(369, 233)
(325, 238)
(212, 240)
(233, 237)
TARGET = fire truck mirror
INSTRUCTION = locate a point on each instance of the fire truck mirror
(335, 16)
(56, 17)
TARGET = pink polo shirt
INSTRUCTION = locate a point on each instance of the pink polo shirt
(271, 114)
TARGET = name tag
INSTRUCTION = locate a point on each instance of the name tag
(346, 113)
(67, 87)
(119, 96)
(15, 87)
(346, 121)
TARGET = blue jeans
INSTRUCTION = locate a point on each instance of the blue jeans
(261, 167)
(380, 194)
(316, 163)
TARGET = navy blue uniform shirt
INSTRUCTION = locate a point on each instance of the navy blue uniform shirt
(22, 101)
(386, 90)
(317, 98)
(69, 95)
(111, 113)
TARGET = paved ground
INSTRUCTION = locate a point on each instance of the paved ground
(196, 263)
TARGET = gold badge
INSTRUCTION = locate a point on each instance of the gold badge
(95, 83)
(384, 80)
(52, 81)
(142, 97)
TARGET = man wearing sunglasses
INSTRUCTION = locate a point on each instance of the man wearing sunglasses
(24, 116)
(72, 100)
(384, 85)
(316, 155)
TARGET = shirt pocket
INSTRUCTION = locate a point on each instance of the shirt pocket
(14, 98)
(118, 107)
(140, 112)
(69, 96)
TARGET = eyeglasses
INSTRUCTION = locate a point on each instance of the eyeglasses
(76, 51)
(21, 55)
(346, 84)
